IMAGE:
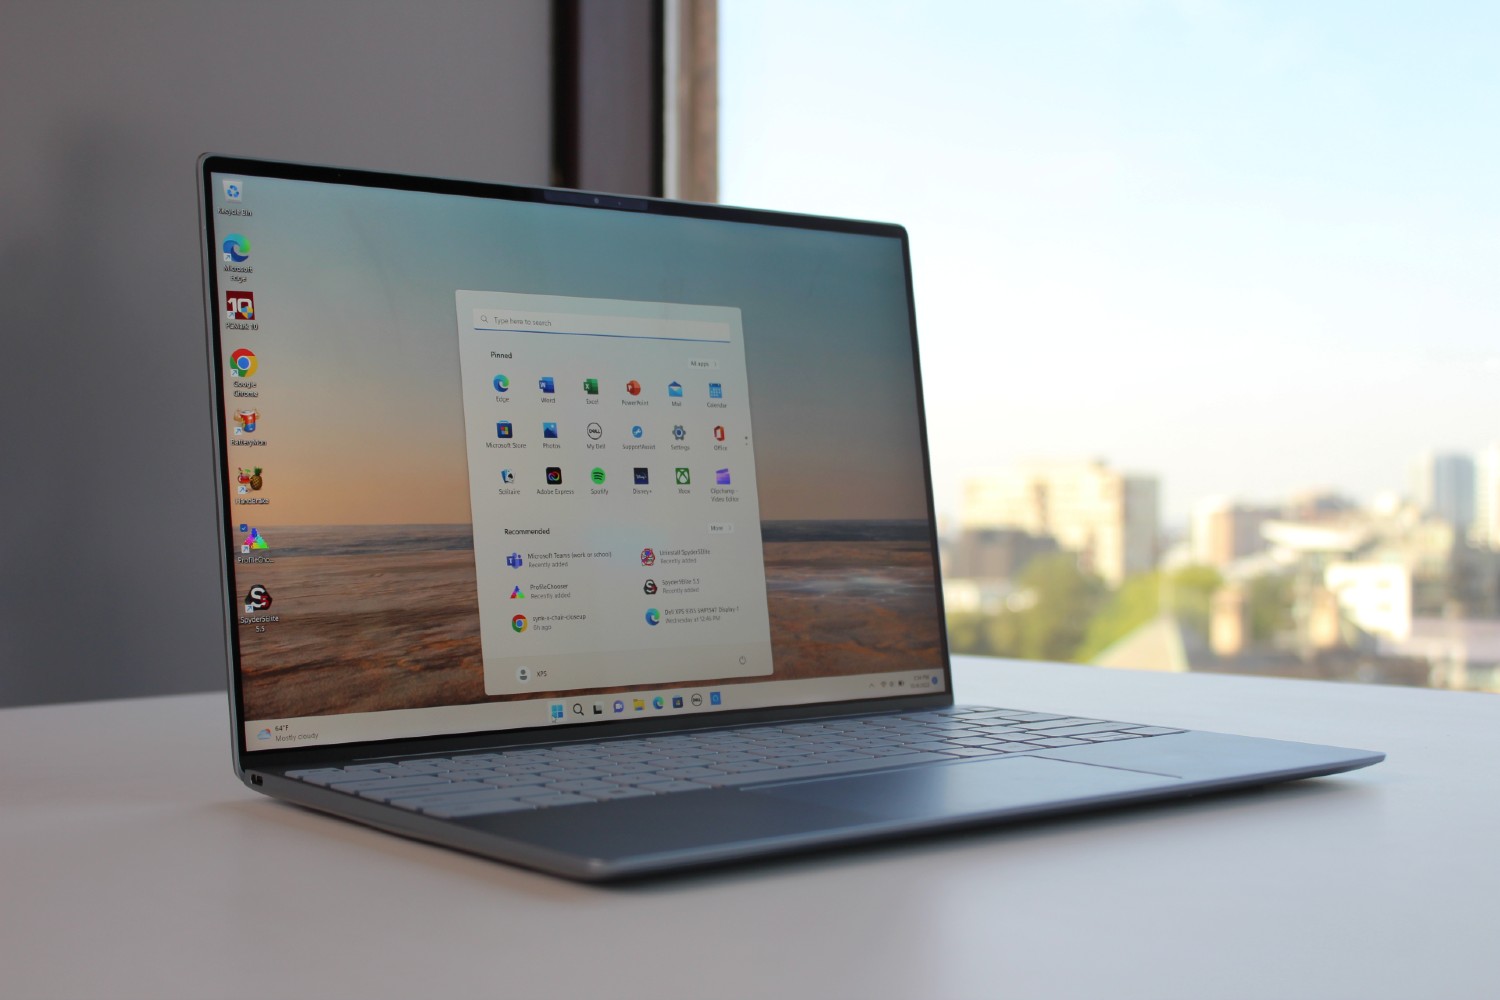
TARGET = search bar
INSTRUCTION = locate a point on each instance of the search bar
(487, 320)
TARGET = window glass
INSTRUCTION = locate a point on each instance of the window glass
(1208, 311)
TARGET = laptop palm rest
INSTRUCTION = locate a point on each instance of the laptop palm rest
(645, 833)
(1017, 785)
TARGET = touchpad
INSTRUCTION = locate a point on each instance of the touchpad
(976, 788)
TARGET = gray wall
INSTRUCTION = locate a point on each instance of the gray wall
(108, 583)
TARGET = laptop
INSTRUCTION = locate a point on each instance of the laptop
(595, 534)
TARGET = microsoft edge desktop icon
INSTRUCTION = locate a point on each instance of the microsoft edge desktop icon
(236, 249)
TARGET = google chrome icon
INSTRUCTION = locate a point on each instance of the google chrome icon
(243, 363)
(518, 623)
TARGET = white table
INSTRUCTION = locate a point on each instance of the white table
(133, 864)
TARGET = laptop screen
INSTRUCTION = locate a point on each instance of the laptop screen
(499, 458)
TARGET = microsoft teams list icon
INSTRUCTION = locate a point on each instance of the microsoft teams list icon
(513, 560)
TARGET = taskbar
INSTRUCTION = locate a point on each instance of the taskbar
(561, 710)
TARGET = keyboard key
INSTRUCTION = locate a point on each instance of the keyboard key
(746, 766)
(418, 800)
(360, 784)
(625, 768)
(1049, 726)
(512, 780)
(1097, 727)
(472, 773)
(586, 785)
(518, 791)
(388, 792)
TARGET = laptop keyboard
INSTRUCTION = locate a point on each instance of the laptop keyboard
(604, 770)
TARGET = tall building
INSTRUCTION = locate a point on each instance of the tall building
(995, 553)
(1225, 531)
(1444, 486)
(1486, 528)
(1108, 518)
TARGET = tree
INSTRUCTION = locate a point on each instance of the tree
(1270, 607)
(1188, 593)
(1064, 599)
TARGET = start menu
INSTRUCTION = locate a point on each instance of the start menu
(612, 486)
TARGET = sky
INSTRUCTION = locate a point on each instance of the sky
(1248, 248)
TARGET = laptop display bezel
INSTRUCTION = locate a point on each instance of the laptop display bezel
(210, 164)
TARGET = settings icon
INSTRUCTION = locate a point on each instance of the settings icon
(678, 432)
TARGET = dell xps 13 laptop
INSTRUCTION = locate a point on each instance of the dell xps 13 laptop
(595, 533)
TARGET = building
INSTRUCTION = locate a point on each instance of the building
(1443, 485)
(1375, 596)
(1486, 528)
(1225, 531)
(1108, 518)
(980, 566)
(995, 553)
